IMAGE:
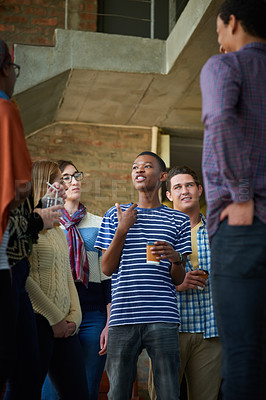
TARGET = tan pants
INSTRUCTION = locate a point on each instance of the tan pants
(201, 364)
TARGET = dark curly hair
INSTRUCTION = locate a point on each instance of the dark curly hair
(250, 13)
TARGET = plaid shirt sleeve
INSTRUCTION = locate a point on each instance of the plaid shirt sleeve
(195, 306)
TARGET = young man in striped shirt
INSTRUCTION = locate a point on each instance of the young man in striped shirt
(144, 310)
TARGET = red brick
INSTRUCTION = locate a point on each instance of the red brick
(9, 9)
(44, 21)
(44, 3)
(39, 40)
(87, 16)
(7, 28)
(22, 2)
(118, 165)
(15, 19)
(35, 11)
(88, 26)
(61, 23)
(17, 11)
(48, 31)
(44, 42)
(29, 29)
(8, 2)
(88, 6)
(54, 12)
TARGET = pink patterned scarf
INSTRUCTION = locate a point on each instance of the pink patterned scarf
(77, 252)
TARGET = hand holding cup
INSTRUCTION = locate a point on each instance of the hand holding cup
(50, 216)
(161, 250)
(205, 277)
(194, 279)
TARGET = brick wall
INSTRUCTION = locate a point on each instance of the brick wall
(34, 21)
(104, 154)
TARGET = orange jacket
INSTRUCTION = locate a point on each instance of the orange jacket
(15, 161)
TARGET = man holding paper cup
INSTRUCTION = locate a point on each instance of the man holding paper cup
(200, 348)
(144, 311)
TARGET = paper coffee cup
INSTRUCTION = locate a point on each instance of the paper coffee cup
(204, 277)
(151, 258)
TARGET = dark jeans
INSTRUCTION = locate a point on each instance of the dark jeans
(7, 330)
(239, 294)
(24, 381)
(89, 334)
(62, 357)
(125, 343)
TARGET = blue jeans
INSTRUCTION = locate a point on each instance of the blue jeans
(90, 330)
(125, 343)
(239, 295)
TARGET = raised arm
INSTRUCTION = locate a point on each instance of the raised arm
(111, 256)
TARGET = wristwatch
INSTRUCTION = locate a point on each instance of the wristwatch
(181, 259)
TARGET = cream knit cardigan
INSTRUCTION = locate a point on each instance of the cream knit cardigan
(50, 284)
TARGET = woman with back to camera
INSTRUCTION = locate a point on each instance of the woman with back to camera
(94, 288)
(55, 300)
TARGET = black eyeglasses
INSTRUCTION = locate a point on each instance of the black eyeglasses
(16, 68)
(68, 178)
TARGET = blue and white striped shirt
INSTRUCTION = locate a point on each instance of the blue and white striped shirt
(196, 306)
(141, 292)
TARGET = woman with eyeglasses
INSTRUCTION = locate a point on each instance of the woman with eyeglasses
(55, 300)
(94, 288)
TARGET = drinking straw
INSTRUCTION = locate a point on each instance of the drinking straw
(56, 193)
(52, 186)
